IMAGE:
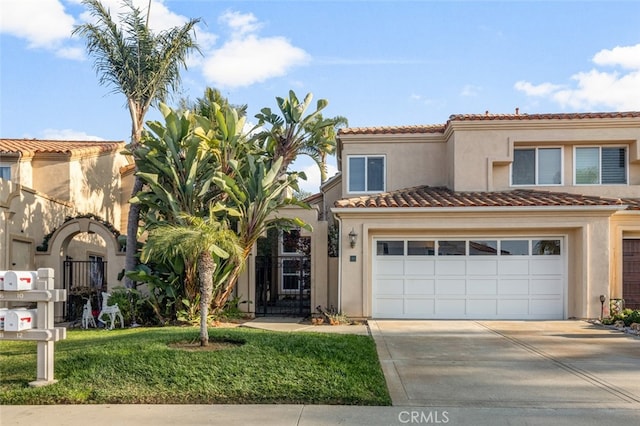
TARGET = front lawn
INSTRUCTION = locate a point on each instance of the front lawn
(139, 366)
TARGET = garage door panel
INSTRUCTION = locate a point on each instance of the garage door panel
(450, 308)
(390, 267)
(420, 267)
(389, 308)
(482, 267)
(486, 287)
(513, 267)
(390, 286)
(451, 267)
(550, 286)
(451, 286)
(513, 306)
(420, 308)
(552, 266)
(545, 307)
(416, 286)
(482, 307)
(508, 286)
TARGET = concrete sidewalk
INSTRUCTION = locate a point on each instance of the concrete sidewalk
(292, 324)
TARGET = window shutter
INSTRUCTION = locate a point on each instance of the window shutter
(614, 165)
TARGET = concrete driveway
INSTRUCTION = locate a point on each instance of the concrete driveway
(509, 364)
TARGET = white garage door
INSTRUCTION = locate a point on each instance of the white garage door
(469, 278)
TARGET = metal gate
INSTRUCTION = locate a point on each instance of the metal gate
(83, 280)
(283, 285)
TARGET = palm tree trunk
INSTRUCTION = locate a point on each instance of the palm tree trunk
(132, 234)
(206, 268)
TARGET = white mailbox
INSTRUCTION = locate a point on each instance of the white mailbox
(3, 313)
(19, 280)
(20, 319)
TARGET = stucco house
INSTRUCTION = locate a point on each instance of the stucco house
(62, 206)
(489, 216)
(516, 216)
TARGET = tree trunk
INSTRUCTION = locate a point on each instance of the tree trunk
(206, 268)
(132, 235)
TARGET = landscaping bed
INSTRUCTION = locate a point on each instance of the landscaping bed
(160, 366)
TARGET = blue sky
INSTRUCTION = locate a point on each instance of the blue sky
(379, 63)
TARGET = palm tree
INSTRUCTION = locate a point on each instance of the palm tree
(204, 239)
(141, 65)
(322, 142)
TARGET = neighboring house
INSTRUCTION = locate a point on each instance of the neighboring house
(489, 217)
(62, 205)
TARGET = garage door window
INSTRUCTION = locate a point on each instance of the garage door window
(546, 247)
(483, 248)
(514, 248)
(390, 248)
(452, 248)
(421, 248)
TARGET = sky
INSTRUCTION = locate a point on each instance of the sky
(378, 63)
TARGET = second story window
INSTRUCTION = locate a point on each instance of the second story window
(5, 172)
(600, 166)
(537, 166)
(366, 173)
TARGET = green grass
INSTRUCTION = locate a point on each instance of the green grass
(136, 366)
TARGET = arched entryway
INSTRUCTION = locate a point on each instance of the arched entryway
(87, 259)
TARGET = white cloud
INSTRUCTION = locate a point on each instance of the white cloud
(42, 23)
(246, 58)
(312, 184)
(69, 135)
(597, 88)
(470, 90)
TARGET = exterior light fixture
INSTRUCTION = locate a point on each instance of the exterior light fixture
(353, 238)
(602, 299)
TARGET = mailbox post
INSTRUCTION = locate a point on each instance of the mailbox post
(45, 295)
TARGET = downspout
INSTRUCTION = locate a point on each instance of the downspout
(339, 262)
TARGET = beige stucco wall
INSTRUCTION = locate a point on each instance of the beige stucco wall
(583, 231)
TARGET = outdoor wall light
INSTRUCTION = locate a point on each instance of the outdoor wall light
(353, 238)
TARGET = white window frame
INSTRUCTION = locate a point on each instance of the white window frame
(626, 165)
(537, 160)
(366, 157)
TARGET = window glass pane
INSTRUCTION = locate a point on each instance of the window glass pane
(290, 282)
(5, 172)
(483, 248)
(290, 241)
(375, 174)
(587, 165)
(614, 162)
(421, 248)
(390, 248)
(549, 166)
(451, 248)
(546, 247)
(523, 167)
(514, 247)
(356, 174)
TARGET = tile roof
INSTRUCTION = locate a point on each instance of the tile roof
(426, 196)
(440, 128)
(31, 147)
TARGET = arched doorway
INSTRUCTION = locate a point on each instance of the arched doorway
(87, 259)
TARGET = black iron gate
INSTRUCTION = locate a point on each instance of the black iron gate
(283, 285)
(83, 280)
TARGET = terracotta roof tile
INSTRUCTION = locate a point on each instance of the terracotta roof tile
(30, 147)
(440, 128)
(425, 196)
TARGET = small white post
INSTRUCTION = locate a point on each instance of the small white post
(45, 356)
